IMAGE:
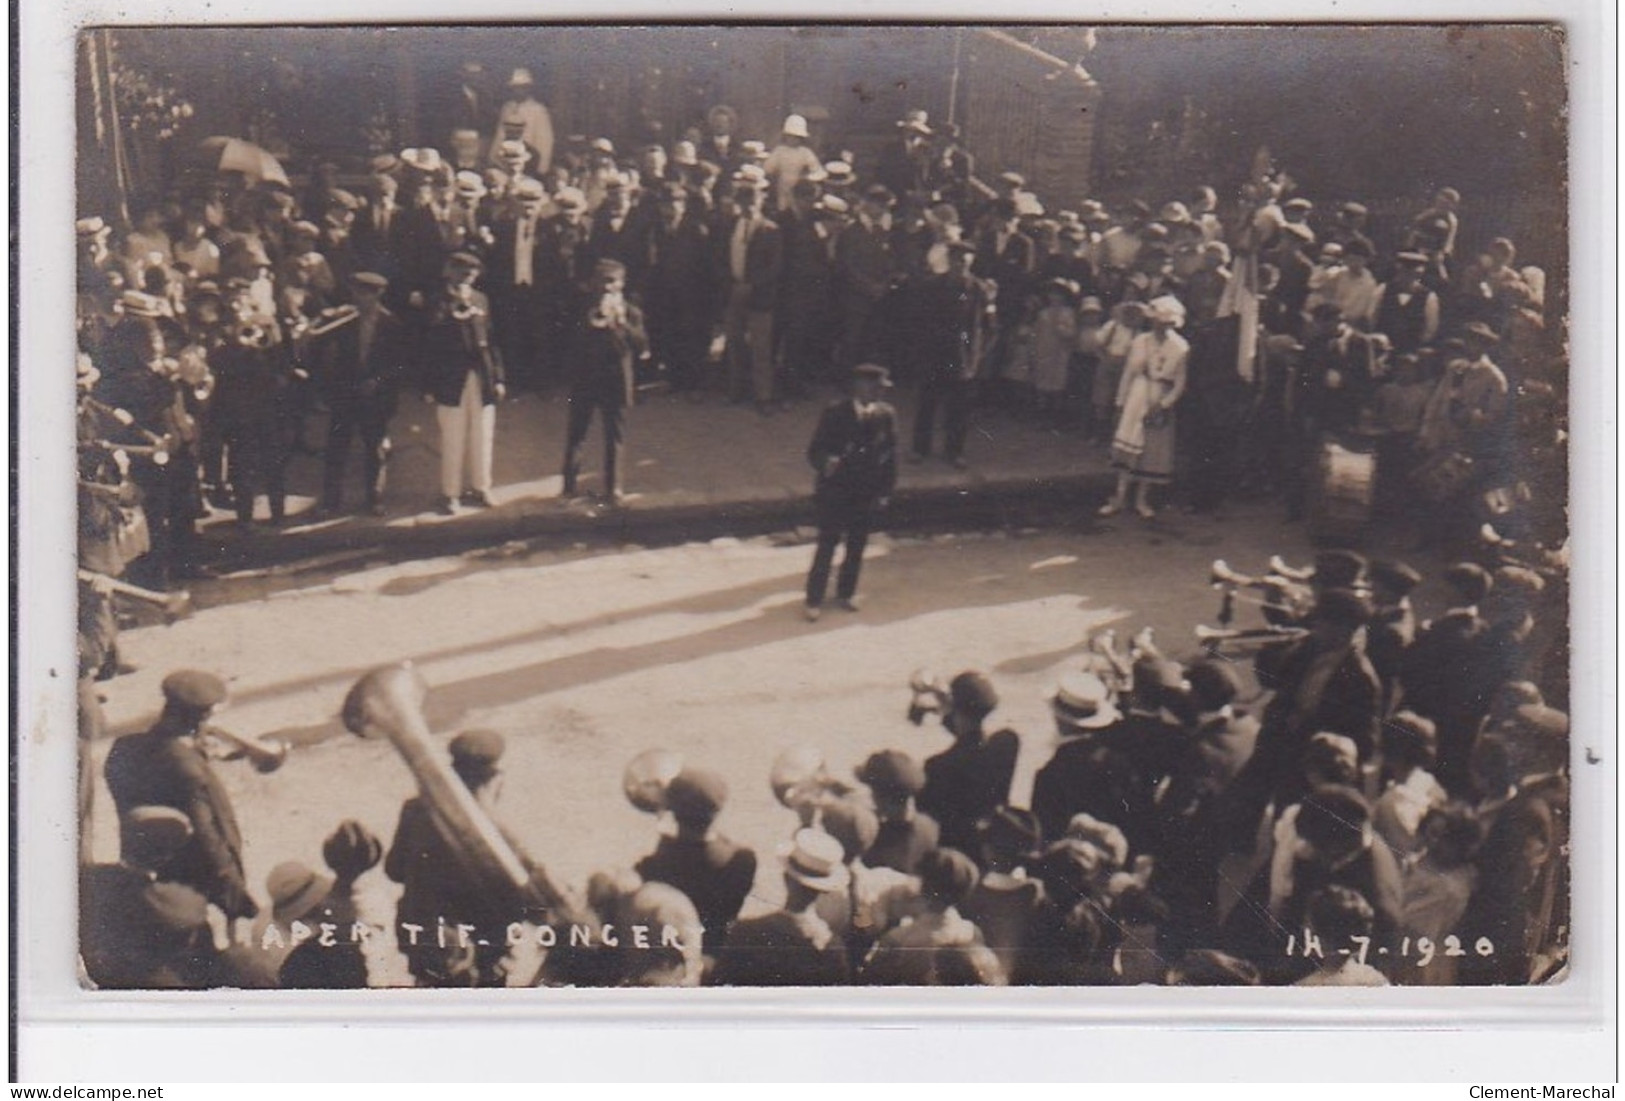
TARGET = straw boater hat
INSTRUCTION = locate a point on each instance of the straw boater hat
(815, 859)
(915, 121)
(1083, 702)
(295, 891)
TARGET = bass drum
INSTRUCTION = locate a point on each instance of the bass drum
(1343, 491)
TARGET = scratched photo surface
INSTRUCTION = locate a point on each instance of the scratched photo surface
(761, 505)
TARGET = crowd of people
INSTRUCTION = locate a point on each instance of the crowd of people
(1401, 786)
(1214, 347)
(1391, 807)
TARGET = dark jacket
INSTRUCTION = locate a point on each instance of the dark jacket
(168, 769)
(967, 782)
(864, 263)
(602, 356)
(955, 314)
(452, 348)
(715, 874)
(900, 845)
(346, 377)
(775, 950)
(865, 450)
(1089, 775)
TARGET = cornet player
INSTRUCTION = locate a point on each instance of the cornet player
(363, 365)
(466, 381)
(605, 344)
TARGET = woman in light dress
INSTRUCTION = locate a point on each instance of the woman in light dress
(1154, 378)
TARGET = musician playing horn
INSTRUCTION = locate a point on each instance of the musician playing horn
(466, 380)
(167, 767)
(253, 406)
(440, 901)
(363, 363)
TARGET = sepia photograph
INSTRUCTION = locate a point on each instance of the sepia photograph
(826, 505)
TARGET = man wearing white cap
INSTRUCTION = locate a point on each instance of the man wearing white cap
(524, 118)
(790, 161)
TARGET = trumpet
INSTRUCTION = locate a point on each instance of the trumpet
(266, 755)
(1212, 637)
(330, 320)
(176, 605)
(930, 696)
(157, 452)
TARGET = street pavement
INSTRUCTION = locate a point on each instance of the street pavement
(692, 470)
(583, 657)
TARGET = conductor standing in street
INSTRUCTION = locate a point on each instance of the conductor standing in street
(854, 451)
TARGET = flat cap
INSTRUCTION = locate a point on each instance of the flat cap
(947, 875)
(1482, 331)
(461, 259)
(1358, 210)
(1518, 579)
(194, 690)
(477, 749)
(1415, 259)
(874, 372)
(1339, 569)
(696, 794)
(1011, 829)
(370, 279)
(892, 771)
(1395, 576)
(151, 836)
(974, 692)
(1298, 204)
(851, 823)
(1214, 684)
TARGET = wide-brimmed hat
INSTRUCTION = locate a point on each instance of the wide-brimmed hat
(873, 372)
(422, 160)
(1083, 702)
(756, 150)
(296, 890)
(815, 859)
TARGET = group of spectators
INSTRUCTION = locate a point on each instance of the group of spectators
(1390, 807)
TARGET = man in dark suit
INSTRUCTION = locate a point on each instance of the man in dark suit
(1323, 683)
(1087, 774)
(1440, 675)
(436, 888)
(606, 342)
(754, 253)
(679, 292)
(564, 274)
(956, 313)
(854, 451)
(517, 284)
(970, 780)
(166, 767)
(364, 364)
(1007, 256)
(712, 871)
(864, 271)
(804, 301)
(906, 834)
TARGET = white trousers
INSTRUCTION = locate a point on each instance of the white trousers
(466, 433)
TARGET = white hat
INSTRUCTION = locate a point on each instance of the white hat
(470, 183)
(1168, 309)
(424, 160)
(520, 78)
(815, 859)
(1083, 702)
(795, 127)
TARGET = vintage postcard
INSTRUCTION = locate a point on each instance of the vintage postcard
(831, 505)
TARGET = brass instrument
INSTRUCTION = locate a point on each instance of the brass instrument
(389, 702)
(333, 319)
(1212, 637)
(647, 776)
(255, 337)
(176, 605)
(930, 696)
(266, 755)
